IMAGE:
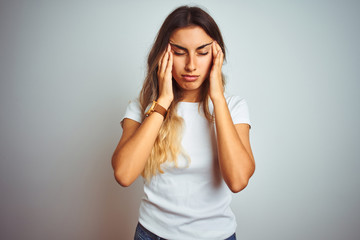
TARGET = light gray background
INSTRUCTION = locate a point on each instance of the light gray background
(68, 69)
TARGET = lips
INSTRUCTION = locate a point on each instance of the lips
(190, 78)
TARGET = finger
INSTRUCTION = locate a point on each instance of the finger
(218, 46)
(160, 61)
(168, 69)
(215, 64)
(164, 62)
(214, 52)
(219, 49)
(222, 58)
(162, 57)
(165, 59)
(218, 57)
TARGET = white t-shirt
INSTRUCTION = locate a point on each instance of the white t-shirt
(191, 203)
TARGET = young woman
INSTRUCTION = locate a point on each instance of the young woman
(188, 140)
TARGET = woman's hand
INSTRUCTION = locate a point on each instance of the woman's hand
(164, 74)
(216, 89)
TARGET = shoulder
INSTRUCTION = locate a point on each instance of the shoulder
(134, 106)
(134, 102)
(234, 101)
(238, 108)
(133, 111)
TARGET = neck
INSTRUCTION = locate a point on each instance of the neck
(194, 95)
(191, 96)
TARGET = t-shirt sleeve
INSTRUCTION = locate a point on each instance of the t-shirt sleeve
(239, 110)
(133, 111)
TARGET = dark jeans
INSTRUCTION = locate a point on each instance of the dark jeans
(142, 233)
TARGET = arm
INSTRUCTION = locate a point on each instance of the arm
(137, 140)
(236, 160)
(235, 157)
(134, 148)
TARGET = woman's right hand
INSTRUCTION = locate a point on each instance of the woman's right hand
(164, 74)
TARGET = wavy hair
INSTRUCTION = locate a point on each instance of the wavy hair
(167, 145)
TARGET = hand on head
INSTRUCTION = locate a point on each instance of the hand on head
(165, 76)
(216, 87)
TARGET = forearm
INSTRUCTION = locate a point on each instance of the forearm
(129, 160)
(235, 163)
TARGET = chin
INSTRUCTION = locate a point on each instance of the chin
(189, 85)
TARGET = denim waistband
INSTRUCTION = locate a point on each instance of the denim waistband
(150, 234)
(156, 237)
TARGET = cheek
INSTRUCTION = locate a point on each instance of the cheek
(206, 62)
(176, 65)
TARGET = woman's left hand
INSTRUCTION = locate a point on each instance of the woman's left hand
(216, 89)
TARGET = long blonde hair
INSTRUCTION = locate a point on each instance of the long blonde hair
(167, 146)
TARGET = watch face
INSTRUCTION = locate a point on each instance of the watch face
(151, 109)
(153, 105)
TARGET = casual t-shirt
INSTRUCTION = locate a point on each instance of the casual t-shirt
(191, 201)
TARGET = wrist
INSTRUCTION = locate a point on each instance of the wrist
(220, 98)
(164, 102)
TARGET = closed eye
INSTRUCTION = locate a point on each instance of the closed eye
(177, 53)
(203, 54)
(180, 54)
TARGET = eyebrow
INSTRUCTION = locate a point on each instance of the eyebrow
(198, 48)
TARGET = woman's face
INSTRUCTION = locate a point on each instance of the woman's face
(192, 57)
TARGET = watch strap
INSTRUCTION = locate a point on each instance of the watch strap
(156, 107)
(160, 109)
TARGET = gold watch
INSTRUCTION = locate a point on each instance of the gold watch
(156, 107)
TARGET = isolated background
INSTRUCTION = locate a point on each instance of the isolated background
(68, 69)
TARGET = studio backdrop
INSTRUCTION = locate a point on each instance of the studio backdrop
(69, 68)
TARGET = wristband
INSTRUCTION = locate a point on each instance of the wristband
(156, 107)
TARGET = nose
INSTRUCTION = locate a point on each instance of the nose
(190, 65)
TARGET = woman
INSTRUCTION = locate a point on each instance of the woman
(192, 145)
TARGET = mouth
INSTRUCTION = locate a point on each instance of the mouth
(190, 78)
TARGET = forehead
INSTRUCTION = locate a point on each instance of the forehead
(190, 37)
